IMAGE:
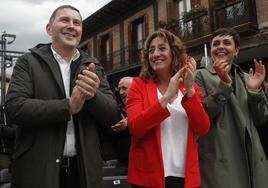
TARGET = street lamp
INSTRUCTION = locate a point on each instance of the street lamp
(5, 39)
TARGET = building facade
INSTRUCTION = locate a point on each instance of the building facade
(115, 33)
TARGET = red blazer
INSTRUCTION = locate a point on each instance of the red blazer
(144, 117)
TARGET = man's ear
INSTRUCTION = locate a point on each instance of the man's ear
(48, 28)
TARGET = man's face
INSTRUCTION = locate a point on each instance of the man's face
(66, 29)
(123, 88)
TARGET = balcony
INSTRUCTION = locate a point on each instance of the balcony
(197, 29)
(192, 30)
(238, 14)
(123, 59)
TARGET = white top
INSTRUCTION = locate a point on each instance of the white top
(174, 134)
(69, 148)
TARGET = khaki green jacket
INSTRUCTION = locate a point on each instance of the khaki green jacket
(231, 155)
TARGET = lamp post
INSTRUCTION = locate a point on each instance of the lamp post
(3, 43)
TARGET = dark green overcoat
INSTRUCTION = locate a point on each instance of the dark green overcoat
(37, 103)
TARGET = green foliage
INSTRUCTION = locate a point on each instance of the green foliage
(167, 25)
(194, 11)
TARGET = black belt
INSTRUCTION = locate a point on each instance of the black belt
(67, 162)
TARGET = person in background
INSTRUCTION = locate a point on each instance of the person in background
(121, 138)
(231, 154)
(165, 117)
(59, 97)
(123, 87)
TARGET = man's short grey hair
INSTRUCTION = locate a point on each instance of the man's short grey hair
(53, 15)
(127, 78)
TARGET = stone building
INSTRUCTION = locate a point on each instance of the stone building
(116, 32)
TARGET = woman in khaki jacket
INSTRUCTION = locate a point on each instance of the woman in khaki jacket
(231, 155)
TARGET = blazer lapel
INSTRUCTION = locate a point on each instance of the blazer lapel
(151, 92)
(152, 98)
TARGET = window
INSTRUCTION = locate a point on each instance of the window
(140, 35)
(137, 34)
(186, 28)
(106, 51)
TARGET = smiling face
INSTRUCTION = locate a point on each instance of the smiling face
(223, 48)
(160, 57)
(66, 29)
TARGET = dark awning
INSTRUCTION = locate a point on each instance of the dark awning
(248, 54)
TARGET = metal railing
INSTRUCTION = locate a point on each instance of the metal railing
(191, 28)
(227, 14)
(125, 57)
(233, 14)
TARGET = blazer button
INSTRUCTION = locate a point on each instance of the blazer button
(57, 160)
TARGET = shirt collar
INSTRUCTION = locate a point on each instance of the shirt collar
(60, 59)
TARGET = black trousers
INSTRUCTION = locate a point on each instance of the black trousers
(69, 174)
(170, 182)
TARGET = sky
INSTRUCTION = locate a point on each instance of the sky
(27, 19)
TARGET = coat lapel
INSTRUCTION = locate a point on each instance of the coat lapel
(48, 58)
(55, 69)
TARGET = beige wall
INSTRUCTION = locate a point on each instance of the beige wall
(116, 37)
(116, 43)
(162, 10)
(262, 13)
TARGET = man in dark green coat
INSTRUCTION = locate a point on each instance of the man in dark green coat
(59, 109)
(231, 155)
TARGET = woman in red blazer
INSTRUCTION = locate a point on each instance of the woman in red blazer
(165, 117)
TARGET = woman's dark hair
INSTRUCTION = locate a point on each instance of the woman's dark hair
(177, 48)
(227, 31)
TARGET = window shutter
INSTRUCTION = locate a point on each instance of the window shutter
(111, 42)
(111, 61)
(129, 42)
(146, 26)
(129, 34)
(99, 49)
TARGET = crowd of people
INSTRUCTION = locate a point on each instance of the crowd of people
(178, 127)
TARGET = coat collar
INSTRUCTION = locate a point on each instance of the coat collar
(44, 52)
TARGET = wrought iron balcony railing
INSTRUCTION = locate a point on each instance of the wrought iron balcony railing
(124, 58)
(235, 13)
(195, 30)
(192, 28)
